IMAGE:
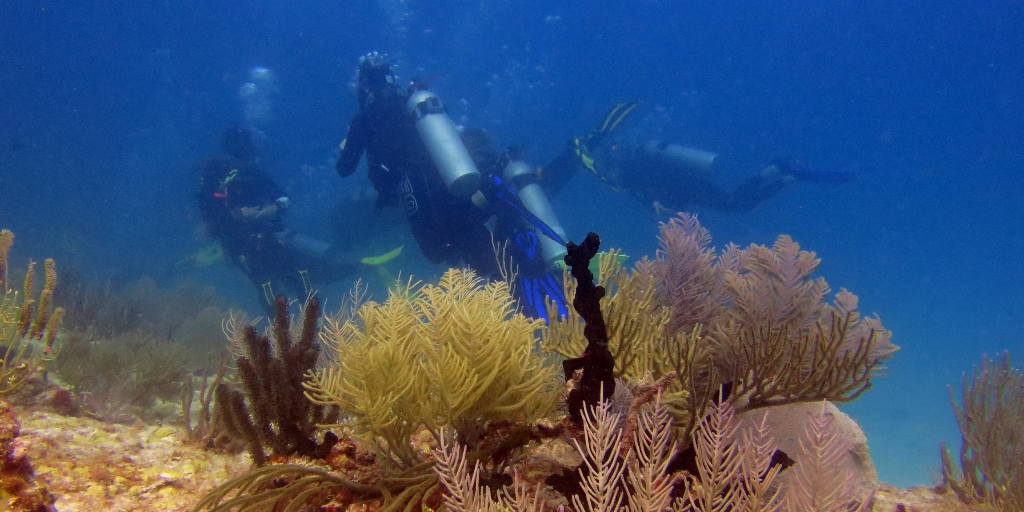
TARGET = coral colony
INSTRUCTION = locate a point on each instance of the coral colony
(697, 380)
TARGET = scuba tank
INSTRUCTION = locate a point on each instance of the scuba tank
(449, 154)
(680, 155)
(307, 246)
(535, 200)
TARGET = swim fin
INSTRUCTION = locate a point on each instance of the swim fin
(612, 121)
(534, 282)
(377, 262)
(212, 253)
(811, 174)
(383, 258)
(617, 114)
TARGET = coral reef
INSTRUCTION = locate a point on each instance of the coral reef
(452, 355)
(274, 373)
(991, 419)
(94, 466)
(735, 469)
(455, 362)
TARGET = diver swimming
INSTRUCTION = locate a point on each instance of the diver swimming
(460, 196)
(671, 177)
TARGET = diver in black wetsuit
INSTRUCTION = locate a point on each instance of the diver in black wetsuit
(243, 208)
(668, 176)
(458, 194)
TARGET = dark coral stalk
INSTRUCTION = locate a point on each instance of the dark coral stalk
(279, 414)
(597, 362)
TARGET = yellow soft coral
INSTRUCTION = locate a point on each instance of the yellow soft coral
(453, 354)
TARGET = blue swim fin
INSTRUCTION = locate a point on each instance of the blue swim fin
(534, 282)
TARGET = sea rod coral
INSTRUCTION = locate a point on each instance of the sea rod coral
(28, 326)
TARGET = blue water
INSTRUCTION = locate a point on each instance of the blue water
(107, 106)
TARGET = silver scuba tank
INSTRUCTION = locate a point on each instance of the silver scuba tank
(305, 245)
(437, 131)
(535, 200)
(681, 155)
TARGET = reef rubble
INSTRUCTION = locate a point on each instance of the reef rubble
(88, 465)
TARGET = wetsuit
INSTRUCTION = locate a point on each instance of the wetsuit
(653, 180)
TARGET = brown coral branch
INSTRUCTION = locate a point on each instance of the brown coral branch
(279, 414)
(597, 362)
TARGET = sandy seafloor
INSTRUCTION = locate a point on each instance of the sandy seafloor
(91, 466)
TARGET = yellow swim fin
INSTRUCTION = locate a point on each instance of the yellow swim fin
(617, 115)
(377, 262)
(209, 255)
(612, 120)
(383, 258)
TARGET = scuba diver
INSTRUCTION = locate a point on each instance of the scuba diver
(243, 209)
(668, 176)
(462, 199)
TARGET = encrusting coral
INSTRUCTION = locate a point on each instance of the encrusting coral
(20, 489)
(28, 327)
(991, 419)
